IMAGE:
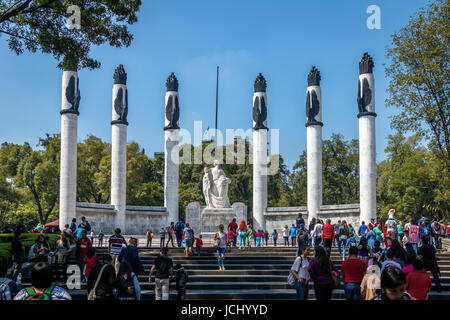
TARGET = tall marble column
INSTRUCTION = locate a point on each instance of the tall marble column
(367, 153)
(68, 164)
(119, 146)
(314, 143)
(259, 153)
(171, 148)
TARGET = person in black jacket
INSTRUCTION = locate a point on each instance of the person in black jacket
(108, 281)
(181, 279)
(427, 253)
(130, 254)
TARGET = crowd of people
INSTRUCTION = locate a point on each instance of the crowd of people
(385, 262)
(380, 261)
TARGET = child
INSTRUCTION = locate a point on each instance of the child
(91, 261)
(266, 237)
(198, 244)
(405, 239)
(393, 285)
(181, 279)
(274, 237)
(258, 238)
(162, 236)
(230, 239)
(388, 240)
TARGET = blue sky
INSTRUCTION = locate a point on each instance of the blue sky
(282, 39)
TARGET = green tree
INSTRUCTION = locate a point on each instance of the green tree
(411, 181)
(94, 171)
(419, 77)
(40, 25)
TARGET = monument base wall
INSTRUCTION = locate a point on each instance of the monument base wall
(206, 221)
(278, 217)
(137, 218)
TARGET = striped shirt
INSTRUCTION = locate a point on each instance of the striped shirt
(116, 244)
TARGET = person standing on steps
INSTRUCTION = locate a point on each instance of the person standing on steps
(316, 234)
(323, 273)
(419, 283)
(286, 235)
(302, 239)
(427, 253)
(233, 227)
(188, 239)
(328, 234)
(149, 236)
(299, 273)
(274, 237)
(101, 235)
(164, 271)
(293, 234)
(242, 233)
(393, 285)
(299, 222)
(170, 232)
(162, 237)
(179, 227)
(221, 244)
(198, 244)
(103, 288)
(353, 270)
(249, 235)
(116, 242)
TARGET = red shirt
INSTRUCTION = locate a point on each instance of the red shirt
(419, 284)
(85, 244)
(233, 226)
(90, 263)
(328, 231)
(353, 270)
(198, 243)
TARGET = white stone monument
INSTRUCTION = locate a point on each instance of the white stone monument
(259, 153)
(367, 153)
(119, 146)
(215, 187)
(171, 148)
(68, 164)
(314, 143)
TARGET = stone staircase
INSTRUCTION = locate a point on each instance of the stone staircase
(256, 273)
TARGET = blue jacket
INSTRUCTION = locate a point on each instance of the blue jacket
(130, 254)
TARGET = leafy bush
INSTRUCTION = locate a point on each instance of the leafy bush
(28, 239)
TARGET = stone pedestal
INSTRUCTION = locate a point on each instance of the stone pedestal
(206, 221)
(171, 173)
(68, 161)
(119, 172)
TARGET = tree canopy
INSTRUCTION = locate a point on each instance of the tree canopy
(40, 25)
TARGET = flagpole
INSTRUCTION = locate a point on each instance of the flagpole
(217, 110)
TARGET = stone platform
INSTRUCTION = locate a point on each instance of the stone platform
(206, 221)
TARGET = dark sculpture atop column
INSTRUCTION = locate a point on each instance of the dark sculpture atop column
(366, 64)
(312, 101)
(120, 76)
(121, 106)
(259, 105)
(364, 98)
(73, 96)
(173, 105)
(260, 84)
(314, 77)
(172, 83)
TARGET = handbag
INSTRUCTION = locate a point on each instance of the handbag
(92, 295)
(291, 279)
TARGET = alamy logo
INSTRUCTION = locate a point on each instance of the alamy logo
(74, 21)
(73, 277)
(374, 20)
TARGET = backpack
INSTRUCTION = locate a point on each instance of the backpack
(178, 227)
(291, 279)
(5, 290)
(33, 295)
(426, 231)
(302, 236)
(88, 226)
(437, 226)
